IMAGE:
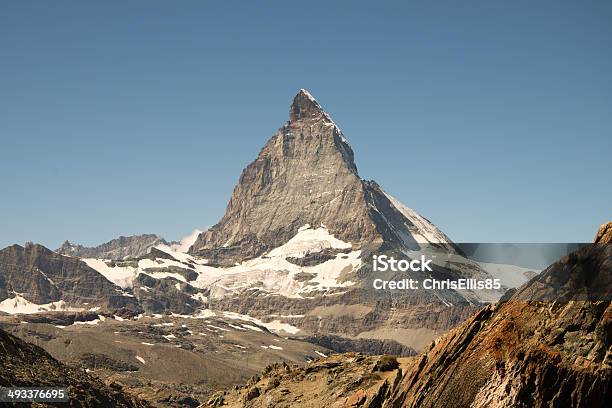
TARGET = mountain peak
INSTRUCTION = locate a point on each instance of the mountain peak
(304, 106)
(306, 175)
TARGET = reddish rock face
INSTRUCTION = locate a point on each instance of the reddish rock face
(554, 351)
(604, 235)
(357, 399)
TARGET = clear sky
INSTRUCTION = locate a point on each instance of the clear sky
(491, 118)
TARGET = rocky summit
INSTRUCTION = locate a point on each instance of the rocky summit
(302, 224)
(306, 175)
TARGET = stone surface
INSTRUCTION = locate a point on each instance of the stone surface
(367, 346)
(604, 235)
(553, 351)
(26, 365)
(117, 249)
(339, 381)
(305, 174)
(42, 276)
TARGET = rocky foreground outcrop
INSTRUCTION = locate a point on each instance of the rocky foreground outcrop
(604, 235)
(341, 380)
(26, 365)
(549, 344)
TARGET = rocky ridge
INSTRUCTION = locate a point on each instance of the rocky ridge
(117, 249)
(547, 344)
(339, 381)
(306, 175)
(34, 275)
(25, 365)
(366, 346)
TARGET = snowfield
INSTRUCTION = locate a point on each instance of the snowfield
(20, 305)
(120, 276)
(275, 326)
(271, 273)
(307, 241)
(422, 230)
(511, 276)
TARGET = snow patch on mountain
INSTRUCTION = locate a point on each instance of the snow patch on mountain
(275, 326)
(88, 322)
(20, 305)
(164, 275)
(271, 273)
(511, 276)
(423, 231)
(328, 273)
(274, 274)
(309, 240)
(121, 276)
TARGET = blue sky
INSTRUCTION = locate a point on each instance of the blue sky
(491, 118)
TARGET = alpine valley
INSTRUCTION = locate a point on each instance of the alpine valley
(283, 280)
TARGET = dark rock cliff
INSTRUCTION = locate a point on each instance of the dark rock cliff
(26, 365)
(42, 276)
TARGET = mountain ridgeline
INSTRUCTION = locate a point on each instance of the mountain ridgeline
(40, 276)
(306, 175)
(26, 365)
(117, 249)
(298, 235)
(287, 274)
